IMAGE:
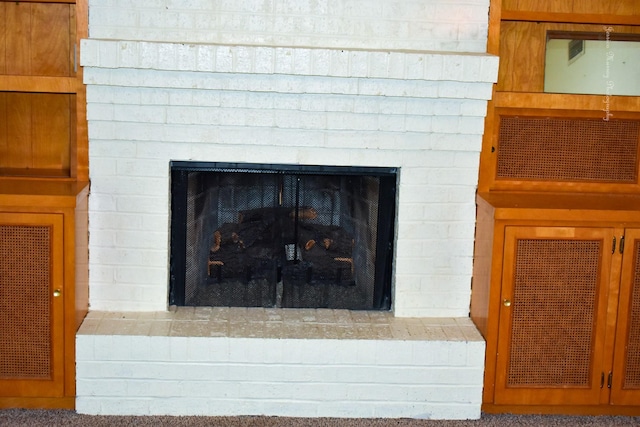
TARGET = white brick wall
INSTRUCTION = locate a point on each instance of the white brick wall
(425, 25)
(154, 100)
(139, 119)
(399, 83)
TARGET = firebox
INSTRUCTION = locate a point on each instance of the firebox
(275, 235)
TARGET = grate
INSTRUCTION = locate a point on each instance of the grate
(555, 290)
(632, 369)
(25, 333)
(553, 149)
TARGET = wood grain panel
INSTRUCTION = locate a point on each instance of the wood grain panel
(18, 143)
(51, 133)
(522, 51)
(545, 6)
(37, 40)
(18, 48)
(4, 141)
(49, 39)
(609, 7)
(3, 38)
(35, 136)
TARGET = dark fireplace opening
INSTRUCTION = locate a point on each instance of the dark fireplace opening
(293, 236)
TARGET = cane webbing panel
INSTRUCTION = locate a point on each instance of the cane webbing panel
(554, 304)
(553, 149)
(25, 333)
(632, 369)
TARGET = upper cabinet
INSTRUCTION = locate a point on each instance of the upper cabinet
(42, 99)
(565, 113)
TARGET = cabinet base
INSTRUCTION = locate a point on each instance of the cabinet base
(490, 408)
(38, 402)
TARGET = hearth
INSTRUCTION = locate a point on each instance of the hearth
(295, 236)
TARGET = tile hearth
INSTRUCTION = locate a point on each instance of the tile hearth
(278, 324)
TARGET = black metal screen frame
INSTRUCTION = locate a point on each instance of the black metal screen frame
(387, 178)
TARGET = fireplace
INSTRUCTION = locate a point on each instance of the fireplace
(291, 236)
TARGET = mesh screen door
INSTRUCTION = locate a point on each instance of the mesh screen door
(632, 365)
(290, 236)
(31, 319)
(549, 330)
(626, 369)
(556, 149)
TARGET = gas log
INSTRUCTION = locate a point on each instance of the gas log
(257, 242)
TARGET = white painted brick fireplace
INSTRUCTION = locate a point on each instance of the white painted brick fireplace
(394, 83)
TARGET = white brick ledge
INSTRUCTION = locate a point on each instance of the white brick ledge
(319, 363)
(298, 61)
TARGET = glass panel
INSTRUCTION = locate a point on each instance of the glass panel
(592, 63)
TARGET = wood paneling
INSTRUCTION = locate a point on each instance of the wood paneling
(37, 39)
(36, 134)
(522, 47)
(522, 52)
(609, 7)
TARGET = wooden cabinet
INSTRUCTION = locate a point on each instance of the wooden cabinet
(625, 376)
(43, 290)
(42, 99)
(43, 200)
(31, 304)
(554, 288)
(558, 302)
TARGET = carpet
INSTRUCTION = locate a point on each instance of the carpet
(55, 418)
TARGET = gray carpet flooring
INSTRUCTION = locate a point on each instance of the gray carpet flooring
(54, 418)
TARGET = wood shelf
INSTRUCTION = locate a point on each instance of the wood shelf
(595, 104)
(38, 84)
(569, 18)
(28, 192)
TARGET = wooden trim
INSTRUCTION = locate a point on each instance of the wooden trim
(38, 402)
(579, 104)
(562, 409)
(38, 1)
(38, 84)
(493, 38)
(80, 168)
(37, 195)
(575, 18)
(592, 35)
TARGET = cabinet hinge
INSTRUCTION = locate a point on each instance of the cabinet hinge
(621, 244)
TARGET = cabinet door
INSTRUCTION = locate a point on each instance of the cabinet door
(625, 384)
(31, 305)
(553, 315)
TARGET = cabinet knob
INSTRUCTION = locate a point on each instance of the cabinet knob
(506, 303)
(57, 293)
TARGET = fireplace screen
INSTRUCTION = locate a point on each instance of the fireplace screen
(253, 235)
